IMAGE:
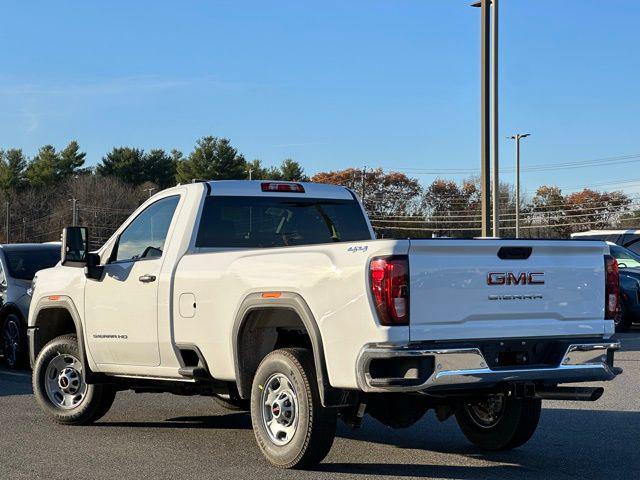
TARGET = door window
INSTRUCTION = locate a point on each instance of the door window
(634, 247)
(627, 258)
(146, 235)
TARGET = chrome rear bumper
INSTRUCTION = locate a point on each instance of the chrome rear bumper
(467, 367)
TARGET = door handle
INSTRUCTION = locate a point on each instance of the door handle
(147, 278)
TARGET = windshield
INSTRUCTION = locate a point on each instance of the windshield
(625, 258)
(23, 264)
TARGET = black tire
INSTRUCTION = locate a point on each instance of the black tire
(513, 427)
(622, 320)
(96, 400)
(14, 341)
(315, 425)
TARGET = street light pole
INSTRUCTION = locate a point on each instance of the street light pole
(517, 138)
(485, 113)
(494, 93)
(74, 211)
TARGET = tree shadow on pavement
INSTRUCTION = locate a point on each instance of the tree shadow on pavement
(14, 383)
(232, 421)
(423, 470)
(589, 443)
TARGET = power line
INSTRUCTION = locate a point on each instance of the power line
(615, 160)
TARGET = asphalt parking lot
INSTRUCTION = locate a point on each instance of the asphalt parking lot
(164, 436)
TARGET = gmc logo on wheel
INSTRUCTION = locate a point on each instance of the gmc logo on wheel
(511, 278)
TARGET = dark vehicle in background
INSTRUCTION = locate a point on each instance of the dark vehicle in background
(630, 239)
(629, 268)
(19, 263)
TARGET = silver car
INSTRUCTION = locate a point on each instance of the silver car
(19, 263)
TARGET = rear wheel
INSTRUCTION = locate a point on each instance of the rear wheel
(14, 341)
(499, 422)
(60, 388)
(292, 428)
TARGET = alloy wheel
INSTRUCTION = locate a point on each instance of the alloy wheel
(11, 342)
(279, 409)
(64, 382)
(487, 413)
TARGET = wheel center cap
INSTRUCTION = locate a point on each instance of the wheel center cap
(69, 381)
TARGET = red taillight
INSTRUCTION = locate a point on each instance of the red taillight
(282, 187)
(389, 278)
(612, 287)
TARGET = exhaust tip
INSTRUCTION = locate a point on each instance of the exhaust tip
(597, 393)
(580, 394)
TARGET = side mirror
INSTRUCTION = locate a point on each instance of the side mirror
(75, 246)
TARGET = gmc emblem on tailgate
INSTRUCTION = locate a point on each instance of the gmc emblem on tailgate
(510, 278)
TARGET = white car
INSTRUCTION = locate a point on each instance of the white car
(276, 297)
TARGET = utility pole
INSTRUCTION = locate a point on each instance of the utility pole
(494, 92)
(364, 176)
(250, 173)
(74, 212)
(150, 190)
(485, 112)
(517, 138)
(6, 222)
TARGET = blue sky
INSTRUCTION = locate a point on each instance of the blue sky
(329, 83)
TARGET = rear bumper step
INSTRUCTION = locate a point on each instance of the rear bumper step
(383, 368)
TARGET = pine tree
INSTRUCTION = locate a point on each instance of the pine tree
(212, 159)
(125, 163)
(13, 164)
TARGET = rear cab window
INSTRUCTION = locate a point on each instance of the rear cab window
(259, 222)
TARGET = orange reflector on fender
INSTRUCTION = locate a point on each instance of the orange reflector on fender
(271, 294)
(54, 297)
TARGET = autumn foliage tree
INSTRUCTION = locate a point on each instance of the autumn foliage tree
(383, 193)
(556, 215)
(452, 209)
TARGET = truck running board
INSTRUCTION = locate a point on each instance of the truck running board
(583, 394)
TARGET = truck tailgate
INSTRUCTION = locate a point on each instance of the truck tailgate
(462, 289)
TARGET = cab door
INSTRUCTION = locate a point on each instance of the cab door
(121, 309)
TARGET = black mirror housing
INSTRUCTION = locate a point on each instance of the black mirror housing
(94, 269)
(75, 247)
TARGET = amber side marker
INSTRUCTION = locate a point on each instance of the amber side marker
(54, 297)
(271, 294)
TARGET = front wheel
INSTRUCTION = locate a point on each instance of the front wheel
(14, 341)
(60, 388)
(499, 422)
(292, 428)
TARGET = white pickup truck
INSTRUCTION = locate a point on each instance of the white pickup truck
(276, 298)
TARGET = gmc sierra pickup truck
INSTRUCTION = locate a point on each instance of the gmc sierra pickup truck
(276, 298)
